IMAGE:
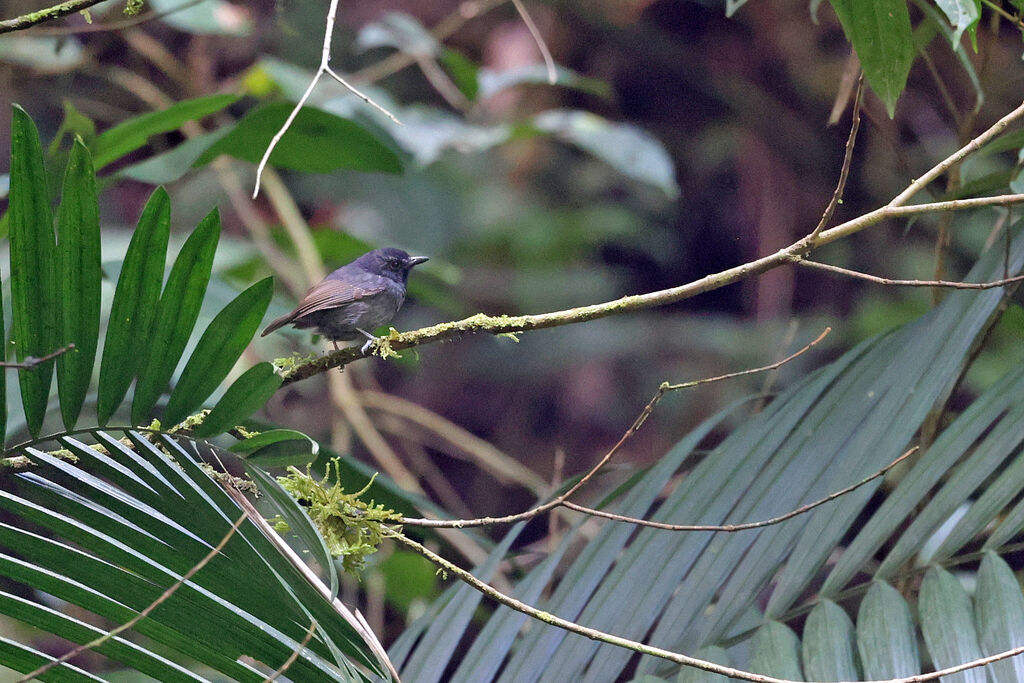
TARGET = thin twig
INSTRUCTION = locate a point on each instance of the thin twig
(31, 362)
(844, 172)
(637, 423)
(645, 649)
(910, 283)
(294, 655)
(47, 14)
(549, 61)
(325, 58)
(145, 612)
(748, 525)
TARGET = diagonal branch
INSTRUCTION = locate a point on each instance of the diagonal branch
(38, 17)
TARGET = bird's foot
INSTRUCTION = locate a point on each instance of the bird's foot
(370, 341)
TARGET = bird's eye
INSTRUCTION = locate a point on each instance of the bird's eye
(393, 263)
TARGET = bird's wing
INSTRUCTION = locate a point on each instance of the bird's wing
(331, 294)
(322, 296)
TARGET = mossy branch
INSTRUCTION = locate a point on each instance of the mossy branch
(47, 14)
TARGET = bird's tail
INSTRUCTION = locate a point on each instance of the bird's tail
(277, 324)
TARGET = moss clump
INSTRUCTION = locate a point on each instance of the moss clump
(351, 527)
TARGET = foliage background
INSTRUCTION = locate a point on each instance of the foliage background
(740, 104)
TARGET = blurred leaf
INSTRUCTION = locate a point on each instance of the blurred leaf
(963, 15)
(400, 31)
(492, 82)
(35, 307)
(732, 6)
(218, 350)
(316, 142)
(881, 35)
(74, 123)
(80, 267)
(278, 448)
(464, 73)
(245, 396)
(210, 17)
(175, 316)
(426, 133)
(44, 53)
(626, 148)
(132, 134)
(173, 164)
(134, 304)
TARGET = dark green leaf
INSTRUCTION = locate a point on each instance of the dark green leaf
(34, 304)
(218, 349)
(316, 141)
(176, 315)
(79, 265)
(999, 614)
(135, 301)
(278, 448)
(171, 165)
(299, 523)
(128, 136)
(947, 624)
(244, 397)
(881, 35)
(463, 72)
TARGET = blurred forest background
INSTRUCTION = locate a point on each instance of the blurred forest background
(679, 143)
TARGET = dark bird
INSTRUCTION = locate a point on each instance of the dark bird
(355, 299)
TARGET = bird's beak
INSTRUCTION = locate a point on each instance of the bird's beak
(416, 260)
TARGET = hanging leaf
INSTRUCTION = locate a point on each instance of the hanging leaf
(218, 349)
(278, 448)
(34, 305)
(134, 305)
(176, 315)
(79, 266)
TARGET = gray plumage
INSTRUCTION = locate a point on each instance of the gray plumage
(355, 299)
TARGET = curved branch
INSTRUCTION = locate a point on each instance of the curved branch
(38, 17)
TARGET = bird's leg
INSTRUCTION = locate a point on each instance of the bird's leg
(338, 348)
(370, 339)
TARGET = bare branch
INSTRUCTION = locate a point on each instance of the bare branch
(145, 612)
(815, 265)
(549, 61)
(637, 423)
(748, 525)
(32, 362)
(325, 59)
(294, 655)
(844, 172)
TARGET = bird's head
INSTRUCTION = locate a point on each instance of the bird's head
(391, 263)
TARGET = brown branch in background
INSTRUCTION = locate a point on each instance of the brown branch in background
(294, 655)
(47, 14)
(31, 361)
(748, 525)
(637, 423)
(909, 283)
(145, 612)
(844, 172)
(549, 61)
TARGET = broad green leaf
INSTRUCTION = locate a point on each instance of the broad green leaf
(881, 34)
(175, 316)
(776, 652)
(298, 521)
(316, 142)
(132, 134)
(886, 639)
(828, 645)
(134, 305)
(24, 659)
(245, 396)
(218, 350)
(947, 624)
(79, 265)
(74, 124)
(628, 149)
(34, 303)
(999, 614)
(173, 164)
(278, 448)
